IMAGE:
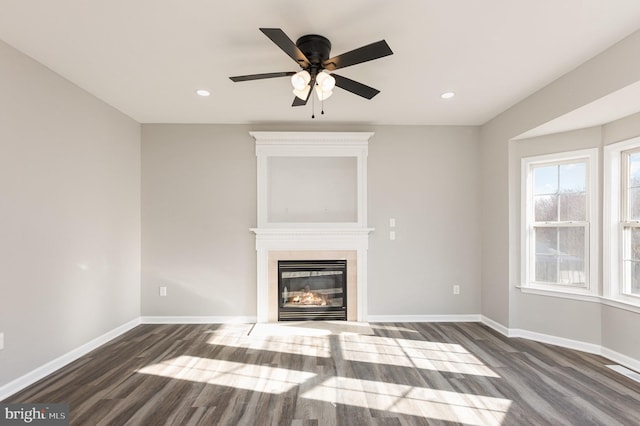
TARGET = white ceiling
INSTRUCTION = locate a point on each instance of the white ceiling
(147, 57)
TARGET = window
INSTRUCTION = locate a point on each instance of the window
(560, 220)
(622, 222)
(630, 222)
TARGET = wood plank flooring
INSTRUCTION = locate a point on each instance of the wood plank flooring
(395, 374)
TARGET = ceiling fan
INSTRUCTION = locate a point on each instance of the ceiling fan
(311, 53)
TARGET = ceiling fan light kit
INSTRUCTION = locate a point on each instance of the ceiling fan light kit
(300, 79)
(311, 52)
(302, 93)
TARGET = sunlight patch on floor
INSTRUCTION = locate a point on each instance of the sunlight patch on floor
(416, 401)
(394, 328)
(259, 378)
(425, 355)
(311, 328)
(315, 346)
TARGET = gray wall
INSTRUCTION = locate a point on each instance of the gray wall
(199, 201)
(427, 178)
(69, 216)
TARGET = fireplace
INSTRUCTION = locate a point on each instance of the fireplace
(312, 290)
(312, 205)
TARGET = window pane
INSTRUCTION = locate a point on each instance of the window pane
(634, 203)
(572, 255)
(634, 169)
(545, 180)
(546, 269)
(632, 261)
(573, 206)
(546, 208)
(632, 277)
(634, 240)
(560, 255)
(571, 242)
(573, 177)
(546, 241)
(635, 278)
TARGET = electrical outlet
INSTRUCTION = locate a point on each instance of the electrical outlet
(456, 289)
(1, 341)
(163, 291)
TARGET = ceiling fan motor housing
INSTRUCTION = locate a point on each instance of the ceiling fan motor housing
(316, 48)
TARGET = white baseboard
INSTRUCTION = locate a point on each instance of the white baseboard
(557, 341)
(621, 359)
(50, 367)
(425, 318)
(198, 320)
(592, 348)
(495, 325)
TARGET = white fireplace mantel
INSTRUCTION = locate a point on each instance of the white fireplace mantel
(317, 236)
(306, 240)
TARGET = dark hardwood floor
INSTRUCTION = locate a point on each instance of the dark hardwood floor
(394, 374)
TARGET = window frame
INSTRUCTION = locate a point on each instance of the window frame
(615, 220)
(590, 225)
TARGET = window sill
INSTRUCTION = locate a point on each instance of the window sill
(631, 306)
(627, 305)
(575, 295)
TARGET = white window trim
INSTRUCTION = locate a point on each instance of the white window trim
(612, 229)
(592, 290)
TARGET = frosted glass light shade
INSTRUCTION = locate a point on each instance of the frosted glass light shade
(300, 79)
(326, 81)
(322, 95)
(302, 94)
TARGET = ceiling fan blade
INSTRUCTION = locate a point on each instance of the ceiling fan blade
(355, 87)
(287, 45)
(300, 102)
(262, 76)
(363, 54)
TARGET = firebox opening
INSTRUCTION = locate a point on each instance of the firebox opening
(312, 290)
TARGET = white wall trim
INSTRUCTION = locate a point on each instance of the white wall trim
(63, 360)
(220, 319)
(425, 318)
(555, 340)
(592, 348)
(621, 359)
(495, 325)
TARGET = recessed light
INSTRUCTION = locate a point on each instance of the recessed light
(203, 92)
(447, 95)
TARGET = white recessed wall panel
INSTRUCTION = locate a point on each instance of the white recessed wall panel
(312, 189)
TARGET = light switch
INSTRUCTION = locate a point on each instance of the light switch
(392, 235)
(163, 291)
(392, 222)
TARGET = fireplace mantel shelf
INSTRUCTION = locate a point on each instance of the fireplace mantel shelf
(292, 232)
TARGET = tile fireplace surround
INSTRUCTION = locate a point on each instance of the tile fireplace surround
(311, 240)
